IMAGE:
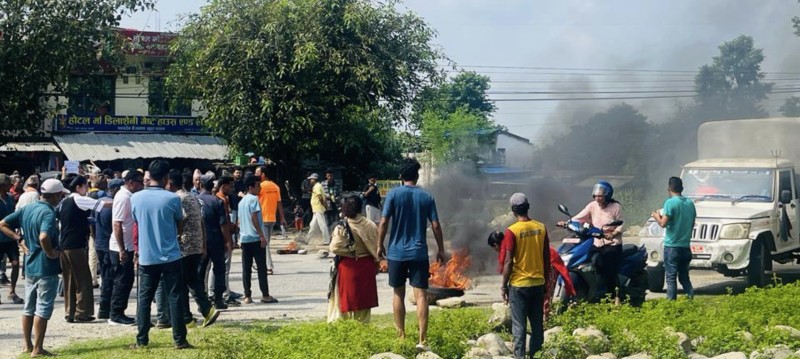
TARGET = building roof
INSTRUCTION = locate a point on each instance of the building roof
(108, 147)
(740, 163)
(29, 147)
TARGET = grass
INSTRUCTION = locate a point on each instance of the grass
(447, 334)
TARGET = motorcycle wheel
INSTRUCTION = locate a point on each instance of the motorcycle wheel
(636, 291)
(655, 278)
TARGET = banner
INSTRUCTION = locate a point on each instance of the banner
(128, 124)
(149, 43)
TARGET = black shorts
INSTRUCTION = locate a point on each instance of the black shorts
(416, 272)
(10, 250)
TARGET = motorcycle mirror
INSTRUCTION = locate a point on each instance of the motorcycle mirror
(563, 209)
(615, 223)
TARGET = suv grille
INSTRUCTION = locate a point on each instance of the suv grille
(709, 232)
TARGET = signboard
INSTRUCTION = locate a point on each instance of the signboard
(149, 43)
(128, 124)
(72, 167)
(384, 186)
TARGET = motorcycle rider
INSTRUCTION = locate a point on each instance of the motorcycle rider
(604, 209)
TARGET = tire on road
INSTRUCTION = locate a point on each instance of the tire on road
(758, 264)
(656, 278)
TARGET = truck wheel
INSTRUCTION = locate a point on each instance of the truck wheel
(655, 278)
(757, 265)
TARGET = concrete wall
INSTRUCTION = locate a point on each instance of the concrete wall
(519, 153)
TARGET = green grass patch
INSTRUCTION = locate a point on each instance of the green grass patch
(447, 333)
(720, 320)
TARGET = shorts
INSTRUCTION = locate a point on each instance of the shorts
(416, 272)
(10, 249)
(40, 296)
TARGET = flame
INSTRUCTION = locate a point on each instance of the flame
(291, 246)
(451, 274)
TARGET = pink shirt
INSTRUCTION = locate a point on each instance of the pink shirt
(599, 216)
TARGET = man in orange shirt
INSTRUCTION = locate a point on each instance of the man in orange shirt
(269, 197)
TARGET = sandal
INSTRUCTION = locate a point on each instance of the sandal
(15, 299)
(269, 272)
(269, 300)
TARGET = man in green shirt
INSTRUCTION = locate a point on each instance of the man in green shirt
(678, 218)
(38, 223)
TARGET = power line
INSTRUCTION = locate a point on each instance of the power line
(694, 72)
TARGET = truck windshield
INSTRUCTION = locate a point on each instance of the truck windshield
(727, 184)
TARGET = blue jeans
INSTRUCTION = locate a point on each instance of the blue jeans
(149, 277)
(527, 305)
(107, 282)
(40, 296)
(676, 265)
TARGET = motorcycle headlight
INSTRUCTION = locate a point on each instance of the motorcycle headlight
(734, 231)
(654, 230)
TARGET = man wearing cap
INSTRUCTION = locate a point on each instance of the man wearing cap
(158, 213)
(410, 208)
(102, 236)
(38, 222)
(318, 207)
(526, 256)
(269, 197)
(8, 247)
(121, 247)
(372, 198)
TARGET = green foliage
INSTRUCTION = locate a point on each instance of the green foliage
(42, 43)
(458, 136)
(467, 90)
(293, 79)
(731, 86)
(791, 107)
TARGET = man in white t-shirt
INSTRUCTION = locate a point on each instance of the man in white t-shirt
(121, 247)
(31, 192)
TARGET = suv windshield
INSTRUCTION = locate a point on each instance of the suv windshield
(727, 184)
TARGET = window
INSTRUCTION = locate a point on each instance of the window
(784, 183)
(161, 103)
(91, 95)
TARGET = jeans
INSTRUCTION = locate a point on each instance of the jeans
(149, 278)
(676, 265)
(106, 282)
(193, 275)
(40, 296)
(123, 283)
(527, 305)
(219, 278)
(253, 251)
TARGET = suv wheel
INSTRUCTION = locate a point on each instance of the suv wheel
(758, 264)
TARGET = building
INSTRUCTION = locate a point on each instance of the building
(123, 119)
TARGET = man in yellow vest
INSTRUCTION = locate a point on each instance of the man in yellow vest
(526, 252)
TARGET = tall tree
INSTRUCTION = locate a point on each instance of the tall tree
(732, 85)
(42, 43)
(791, 107)
(467, 90)
(297, 78)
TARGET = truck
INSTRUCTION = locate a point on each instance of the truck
(745, 189)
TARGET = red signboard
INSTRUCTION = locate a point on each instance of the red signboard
(149, 43)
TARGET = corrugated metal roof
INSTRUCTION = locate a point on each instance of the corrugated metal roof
(29, 147)
(107, 147)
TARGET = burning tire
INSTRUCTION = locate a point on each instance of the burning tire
(445, 292)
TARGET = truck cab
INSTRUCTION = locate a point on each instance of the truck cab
(747, 212)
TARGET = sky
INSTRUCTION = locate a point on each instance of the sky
(584, 46)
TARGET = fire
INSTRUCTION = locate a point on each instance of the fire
(451, 274)
(292, 246)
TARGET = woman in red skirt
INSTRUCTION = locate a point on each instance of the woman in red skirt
(355, 243)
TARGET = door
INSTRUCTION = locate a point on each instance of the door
(788, 212)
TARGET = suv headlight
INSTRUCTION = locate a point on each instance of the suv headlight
(734, 231)
(654, 230)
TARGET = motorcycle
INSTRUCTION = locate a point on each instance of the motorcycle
(579, 257)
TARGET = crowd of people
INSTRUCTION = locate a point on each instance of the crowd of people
(179, 228)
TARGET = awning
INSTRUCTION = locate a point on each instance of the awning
(108, 147)
(29, 147)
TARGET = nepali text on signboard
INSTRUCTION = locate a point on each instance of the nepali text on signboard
(108, 123)
(147, 42)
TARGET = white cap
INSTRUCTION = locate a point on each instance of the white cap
(53, 186)
(518, 199)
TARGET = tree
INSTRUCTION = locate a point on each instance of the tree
(467, 90)
(43, 43)
(791, 108)
(455, 137)
(731, 86)
(293, 79)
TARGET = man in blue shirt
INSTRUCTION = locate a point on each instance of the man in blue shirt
(253, 242)
(102, 238)
(158, 213)
(678, 218)
(409, 208)
(38, 221)
(8, 247)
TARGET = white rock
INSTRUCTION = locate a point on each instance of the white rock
(696, 356)
(590, 333)
(501, 317)
(502, 357)
(731, 355)
(697, 341)
(779, 351)
(602, 356)
(387, 355)
(477, 353)
(552, 332)
(747, 336)
(684, 342)
(639, 356)
(472, 342)
(452, 302)
(428, 355)
(494, 344)
(510, 347)
(322, 254)
(794, 333)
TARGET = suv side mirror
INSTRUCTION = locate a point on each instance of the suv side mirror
(786, 196)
